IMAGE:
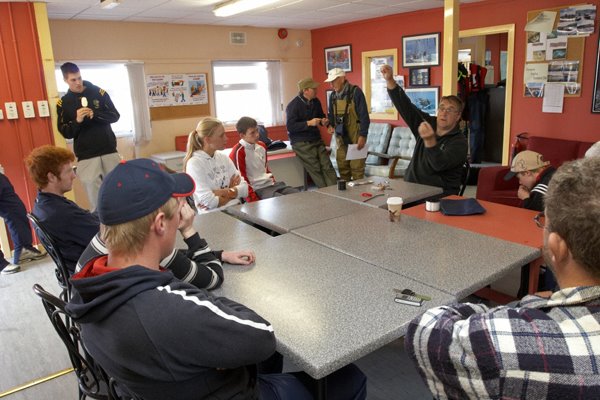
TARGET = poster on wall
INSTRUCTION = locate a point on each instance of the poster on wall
(158, 90)
(197, 85)
(176, 89)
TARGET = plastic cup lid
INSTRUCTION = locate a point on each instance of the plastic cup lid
(395, 200)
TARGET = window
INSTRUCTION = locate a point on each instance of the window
(250, 88)
(113, 78)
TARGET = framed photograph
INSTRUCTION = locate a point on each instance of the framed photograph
(378, 101)
(400, 80)
(421, 50)
(419, 76)
(596, 93)
(426, 99)
(338, 57)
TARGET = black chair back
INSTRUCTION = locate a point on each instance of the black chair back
(49, 243)
(464, 178)
(93, 381)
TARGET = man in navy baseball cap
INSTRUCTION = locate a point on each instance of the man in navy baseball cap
(136, 188)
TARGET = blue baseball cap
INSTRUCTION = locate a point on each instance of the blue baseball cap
(138, 187)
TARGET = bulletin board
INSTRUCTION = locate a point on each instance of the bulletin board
(174, 96)
(176, 112)
(575, 48)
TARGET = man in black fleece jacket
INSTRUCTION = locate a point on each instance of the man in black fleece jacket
(158, 337)
(441, 148)
(84, 115)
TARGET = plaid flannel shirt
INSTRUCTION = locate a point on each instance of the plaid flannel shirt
(543, 349)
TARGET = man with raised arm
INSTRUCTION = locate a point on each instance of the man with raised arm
(441, 148)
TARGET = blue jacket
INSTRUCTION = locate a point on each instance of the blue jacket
(165, 339)
(71, 226)
(297, 112)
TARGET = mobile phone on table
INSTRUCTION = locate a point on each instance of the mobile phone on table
(408, 299)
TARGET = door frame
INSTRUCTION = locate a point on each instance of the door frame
(510, 48)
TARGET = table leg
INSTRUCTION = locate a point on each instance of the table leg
(534, 274)
(321, 389)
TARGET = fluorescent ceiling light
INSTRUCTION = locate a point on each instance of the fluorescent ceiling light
(233, 7)
(108, 4)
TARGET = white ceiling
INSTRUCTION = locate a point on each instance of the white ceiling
(298, 14)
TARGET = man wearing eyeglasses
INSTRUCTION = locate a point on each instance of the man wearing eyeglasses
(441, 148)
(543, 348)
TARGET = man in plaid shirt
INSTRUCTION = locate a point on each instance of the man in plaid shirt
(545, 348)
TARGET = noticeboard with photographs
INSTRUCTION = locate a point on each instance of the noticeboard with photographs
(556, 56)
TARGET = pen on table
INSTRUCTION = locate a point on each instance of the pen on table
(411, 293)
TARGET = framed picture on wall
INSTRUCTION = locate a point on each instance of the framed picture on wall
(421, 50)
(374, 86)
(419, 76)
(596, 93)
(338, 57)
(426, 99)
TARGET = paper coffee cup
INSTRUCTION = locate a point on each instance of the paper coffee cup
(394, 205)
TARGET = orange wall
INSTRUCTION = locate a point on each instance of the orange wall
(21, 79)
(576, 122)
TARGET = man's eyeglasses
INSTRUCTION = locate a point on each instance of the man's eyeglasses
(448, 110)
(540, 220)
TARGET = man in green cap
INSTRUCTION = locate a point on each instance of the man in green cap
(304, 116)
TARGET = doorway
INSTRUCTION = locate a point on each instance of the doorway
(509, 29)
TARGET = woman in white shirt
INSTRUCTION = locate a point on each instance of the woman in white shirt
(218, 182)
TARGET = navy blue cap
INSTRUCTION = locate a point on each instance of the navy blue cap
(138, 187)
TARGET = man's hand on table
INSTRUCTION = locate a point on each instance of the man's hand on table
(240, 257)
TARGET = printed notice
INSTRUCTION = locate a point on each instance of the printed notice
(11, 110)
(28, 110)
(43, 110)
(536, 72)
(543, 22)
(554, 95)
(354, 154)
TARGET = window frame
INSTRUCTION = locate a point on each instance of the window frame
(274, 89)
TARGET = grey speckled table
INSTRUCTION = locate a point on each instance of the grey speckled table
(327, 309)
(410, 192)
(224, 232)
(450, 259)
(284, 213)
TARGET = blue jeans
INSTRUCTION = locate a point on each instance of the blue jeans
(13, 211)
(348, 383)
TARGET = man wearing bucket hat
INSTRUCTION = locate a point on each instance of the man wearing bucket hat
(534, 174)
(156, 336)
(304, 115)
(349, 120)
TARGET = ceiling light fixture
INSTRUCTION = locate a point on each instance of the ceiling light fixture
(233, 7)
(108, 4)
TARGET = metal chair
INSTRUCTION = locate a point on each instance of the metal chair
(93, 381)
(49, 243)
(464, 178)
